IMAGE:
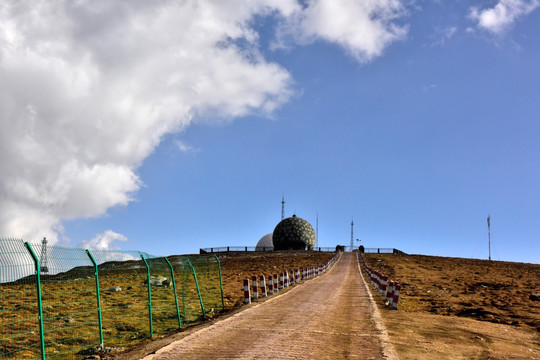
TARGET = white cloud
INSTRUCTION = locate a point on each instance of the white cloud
(185, 148)
(103, 241)
(500, 17)
(443, 34)
(363, 28)
(89, 88)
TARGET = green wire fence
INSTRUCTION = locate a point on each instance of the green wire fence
(62, 303)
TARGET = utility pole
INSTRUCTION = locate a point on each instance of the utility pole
(489, 235)
(352, 235)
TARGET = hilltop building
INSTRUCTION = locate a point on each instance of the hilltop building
(294, 233)
(265, 243)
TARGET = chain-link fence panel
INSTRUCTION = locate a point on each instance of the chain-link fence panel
(62, 303)
(19, 313)
(69, 301)
(188, 295)
(208, 273)
(124, 297)
(165, 313)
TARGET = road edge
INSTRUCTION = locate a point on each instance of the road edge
(388, 349)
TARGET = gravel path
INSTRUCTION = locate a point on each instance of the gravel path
(329, 317)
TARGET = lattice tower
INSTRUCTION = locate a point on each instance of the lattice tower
(43, 258)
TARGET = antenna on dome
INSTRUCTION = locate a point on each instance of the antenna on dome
(282, 206)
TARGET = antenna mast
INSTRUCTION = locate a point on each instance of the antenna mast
(489, 234)
(352, 235)
(282, 206)
(43, 258)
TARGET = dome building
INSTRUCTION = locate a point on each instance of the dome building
(265, 243)
(294, 233)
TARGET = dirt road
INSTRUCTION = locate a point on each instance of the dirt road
(329, 317)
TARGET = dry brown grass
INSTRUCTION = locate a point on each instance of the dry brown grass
(455, 308)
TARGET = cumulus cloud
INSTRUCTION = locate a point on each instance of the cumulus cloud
(103, 241)
(89, 88)
(500, 17)
(363, 28)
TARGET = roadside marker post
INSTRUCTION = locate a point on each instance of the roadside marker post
(396, 295)
(390, 293)
(247, 295)
(255, 290)
(263, 286)
(270, 285)
(384, 284)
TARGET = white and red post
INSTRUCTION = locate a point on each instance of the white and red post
(255, 289)
(263, 286)
(247, 295)
(270, 285)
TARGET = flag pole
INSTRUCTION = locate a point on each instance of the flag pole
(489, 235)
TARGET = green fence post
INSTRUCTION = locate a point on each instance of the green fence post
(183, 292)
(98, 296)
(40, 307)
(220, 282)
(197, 285)
(175, 294)
(149, 297)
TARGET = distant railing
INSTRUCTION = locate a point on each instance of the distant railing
(226, 249)
(382, 251)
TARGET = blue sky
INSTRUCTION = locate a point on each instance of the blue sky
(417, 130)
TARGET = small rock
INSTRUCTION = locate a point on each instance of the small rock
(158, 281)
(90, 351)
(534, 297)
(116, 288)
(122, 306)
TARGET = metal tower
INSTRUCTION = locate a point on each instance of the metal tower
(43, 258)
(282, 206)
(352, 235)
(489, 234)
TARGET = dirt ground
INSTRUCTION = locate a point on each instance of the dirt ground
(454, 308)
